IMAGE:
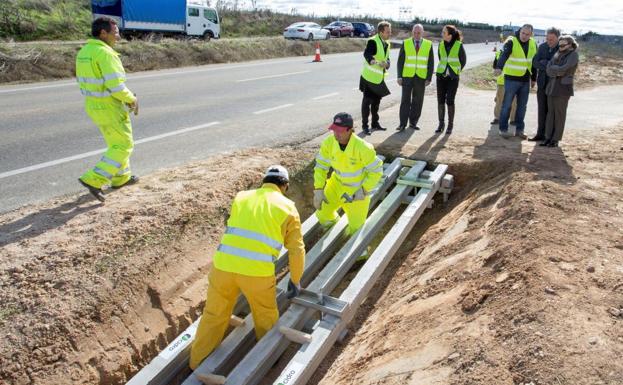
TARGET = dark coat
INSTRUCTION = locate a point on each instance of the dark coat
(401, 63)
(540, 60)
(561, 70)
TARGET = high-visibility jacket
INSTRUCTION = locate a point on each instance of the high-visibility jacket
(451, 59)
(355, 167)
(375, 73)
(500, 78)
(518, 62)
(416, 62)
(260, 223)
(100, 74)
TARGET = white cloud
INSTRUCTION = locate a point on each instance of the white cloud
(603, 16)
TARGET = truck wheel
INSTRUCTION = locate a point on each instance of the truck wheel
(362, 34)
(207, 35)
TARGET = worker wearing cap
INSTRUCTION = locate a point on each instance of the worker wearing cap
(356, 173)
(101, 78)
(260, 223)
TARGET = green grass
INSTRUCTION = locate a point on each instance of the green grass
(480, 77)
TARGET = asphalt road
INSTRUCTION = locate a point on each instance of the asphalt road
(47, 141)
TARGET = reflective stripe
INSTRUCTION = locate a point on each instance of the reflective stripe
(411, 57)
(91, 80)
(124, 171)
(373, 164)
(118, 88)
(422, 66)
(94, 94)
(242, 253)
(380, 169)
(375, 70)
(322, 159)
(103, 173)
(111, 162)
(410, 65)
(516, 67)
(349, 174)
(518, 59)
(254, 236)
(113, 76)
(322, 166)
(453, 60)
(358, 184)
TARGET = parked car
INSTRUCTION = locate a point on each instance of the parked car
(341, 28)
(306, 31)
(364, 29)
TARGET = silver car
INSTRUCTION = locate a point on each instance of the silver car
(307, 31)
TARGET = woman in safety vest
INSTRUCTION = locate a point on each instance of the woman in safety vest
(452, 59)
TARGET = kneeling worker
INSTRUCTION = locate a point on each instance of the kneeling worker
(260, 223)
(356, 172)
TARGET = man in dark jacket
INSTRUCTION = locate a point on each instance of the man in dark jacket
(543, 56)
(372, 82)
(516, 64)
(415, 70)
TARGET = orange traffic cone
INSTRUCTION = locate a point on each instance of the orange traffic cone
(317, 58)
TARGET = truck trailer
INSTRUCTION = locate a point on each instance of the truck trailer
(193, 18)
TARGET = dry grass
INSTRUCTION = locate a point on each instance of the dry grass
(32, 63)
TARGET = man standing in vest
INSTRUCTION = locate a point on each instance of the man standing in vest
(356, 173)
(261, 221)
(516, 63)
(415, 70)
(499, 95)
(101, 77)
(372, 81)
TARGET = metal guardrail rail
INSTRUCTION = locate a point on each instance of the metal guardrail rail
(246, 362)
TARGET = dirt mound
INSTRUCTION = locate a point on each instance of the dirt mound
(518, 282)
(91, 293)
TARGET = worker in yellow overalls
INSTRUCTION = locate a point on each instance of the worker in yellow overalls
(261, 222)
(101, 77)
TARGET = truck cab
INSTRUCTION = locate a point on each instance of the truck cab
(202, 20)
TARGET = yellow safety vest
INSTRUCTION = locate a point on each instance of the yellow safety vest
(518, 62)
(500, 78)
(451, 60)
(375, 73)
(416, 62)
(254, 238)
(100, 74)
(355, 167)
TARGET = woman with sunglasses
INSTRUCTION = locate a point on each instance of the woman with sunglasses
(560, 71)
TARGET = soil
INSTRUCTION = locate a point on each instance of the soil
(518, 279)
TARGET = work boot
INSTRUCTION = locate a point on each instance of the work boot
(450, 120)
(96, 192)
(377, 126)
(400, 128)
(414, 127)
(495, 121)
(133, 180)
(441, 111)
(366, 130)
(536, 138)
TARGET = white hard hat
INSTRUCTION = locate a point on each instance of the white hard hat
(277, 170)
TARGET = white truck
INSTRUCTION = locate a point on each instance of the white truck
(136, 18)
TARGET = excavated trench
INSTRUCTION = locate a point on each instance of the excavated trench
(176, 298)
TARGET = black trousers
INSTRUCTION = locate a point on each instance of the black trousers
(412, 100)
(541, 99)
(446, 89)
(370, 104)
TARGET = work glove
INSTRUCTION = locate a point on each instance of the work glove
(359, 195)
(293, 290)
(319, 198)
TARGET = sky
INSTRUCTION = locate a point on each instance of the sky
(602, 16)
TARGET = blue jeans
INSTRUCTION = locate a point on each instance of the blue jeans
(522, 90)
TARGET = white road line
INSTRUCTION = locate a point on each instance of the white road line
(271, 76)
(326, 96)
(273, 109)
(96, 152)
(152, 75)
